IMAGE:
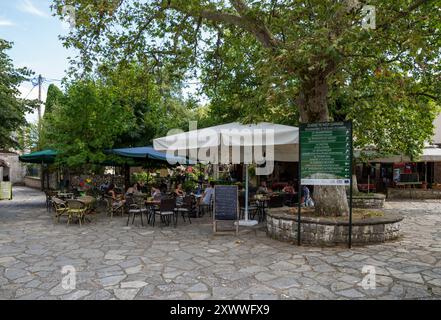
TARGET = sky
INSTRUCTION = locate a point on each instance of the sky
(29, 24)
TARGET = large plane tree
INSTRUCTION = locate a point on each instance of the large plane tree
(311, 60)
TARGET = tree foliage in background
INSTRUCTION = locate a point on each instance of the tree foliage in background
(53, 98)
(12, 108)
(311, 61)
(85, 123)
(155, 103)
(280, 60)
(122, 107)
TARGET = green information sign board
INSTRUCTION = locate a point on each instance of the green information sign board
(326, 153)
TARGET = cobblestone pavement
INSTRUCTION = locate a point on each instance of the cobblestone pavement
(116, 262)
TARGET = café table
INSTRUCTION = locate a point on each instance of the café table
(89, 202)
(262, 204)
(65, 195)
(152, 205)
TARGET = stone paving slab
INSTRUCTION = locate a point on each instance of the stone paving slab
(112, 261)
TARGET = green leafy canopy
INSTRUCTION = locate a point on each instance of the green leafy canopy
(12, 108)
(283, 60)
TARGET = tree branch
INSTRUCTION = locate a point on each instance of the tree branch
(253, 26)
(404, 14)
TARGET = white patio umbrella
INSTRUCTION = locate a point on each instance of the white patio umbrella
(430, 154)
(235, 143)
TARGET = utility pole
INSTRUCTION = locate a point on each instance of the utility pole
(40, 83)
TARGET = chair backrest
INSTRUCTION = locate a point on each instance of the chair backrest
(276, 201)
(58, 203)
(241, 201)
(75, 204)
(167, 205)
(288, 196)
(131, 203)
(187, 201)
(139, 200)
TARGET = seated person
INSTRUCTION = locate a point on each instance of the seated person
(117, 199)
(306, 197)
(179, 192)
(263, 189)
(289, 188)
(132, 190)
(207, 195)
(156, 194)
(104, 186)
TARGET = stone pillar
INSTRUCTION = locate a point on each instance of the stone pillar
(378, 180)
(1, 174)
(437, 172)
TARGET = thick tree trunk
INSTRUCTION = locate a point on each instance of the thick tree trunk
(313, 107)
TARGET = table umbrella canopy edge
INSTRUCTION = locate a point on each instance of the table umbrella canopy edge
(285, 139)
(43, 156)
(148, 153)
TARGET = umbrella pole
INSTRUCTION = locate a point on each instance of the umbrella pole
(247, 180)
(247, 222)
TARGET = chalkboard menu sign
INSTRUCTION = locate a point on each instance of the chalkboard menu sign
(225, 202)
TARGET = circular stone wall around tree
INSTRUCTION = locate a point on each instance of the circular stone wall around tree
(328, 231)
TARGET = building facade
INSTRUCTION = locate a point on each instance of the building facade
(11, 169)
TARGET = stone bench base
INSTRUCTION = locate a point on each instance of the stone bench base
(373, 201)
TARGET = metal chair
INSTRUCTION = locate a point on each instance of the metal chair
(75, 208)
(289, 199)
(276, 201)
(134, 209)
(252, 208)
(49, 195)
(203, 207)
(186, 208)
(166, 211)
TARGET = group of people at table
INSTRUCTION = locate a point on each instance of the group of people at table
(158, 193)
(204, 197)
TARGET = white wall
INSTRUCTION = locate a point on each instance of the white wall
(16, 170)
(437, 136)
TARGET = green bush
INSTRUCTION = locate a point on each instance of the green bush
(143, 177)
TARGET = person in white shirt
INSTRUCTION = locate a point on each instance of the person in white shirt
(208, 194)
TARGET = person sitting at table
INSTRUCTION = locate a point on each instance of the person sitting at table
(289, 188)
(306, 200)
(208, 194)
(156, 194)
(118, 200)
(104, 186)
(179, 192)
(263, 189)
(132, 190)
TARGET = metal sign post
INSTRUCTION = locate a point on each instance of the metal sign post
(299, 194)
(325, 159)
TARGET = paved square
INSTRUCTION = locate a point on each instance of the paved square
(115, 262)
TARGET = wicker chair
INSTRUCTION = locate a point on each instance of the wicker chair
(76, 209)
(113, 206)
(59, 207)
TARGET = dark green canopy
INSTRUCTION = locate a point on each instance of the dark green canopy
(44, 156)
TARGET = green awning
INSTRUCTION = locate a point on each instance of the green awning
(44, 156)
